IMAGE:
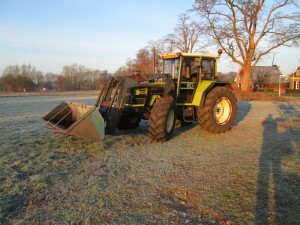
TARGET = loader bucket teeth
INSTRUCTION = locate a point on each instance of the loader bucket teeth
(77, 119)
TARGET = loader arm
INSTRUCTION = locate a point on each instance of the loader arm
(92, 122)
(111, 100)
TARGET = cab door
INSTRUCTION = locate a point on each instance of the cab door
(188, 80)
(208, 68)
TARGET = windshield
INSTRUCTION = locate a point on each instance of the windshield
(171, 67)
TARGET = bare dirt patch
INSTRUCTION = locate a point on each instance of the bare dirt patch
(250, 175)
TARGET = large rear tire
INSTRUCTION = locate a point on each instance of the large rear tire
(162, 119)
(218, 113)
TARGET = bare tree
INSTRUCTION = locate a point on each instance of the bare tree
(12, 69)
(156, 48)
(249, 30)
(147, 59)
(122, 71)
(144, 62)
(228, 77)
(74, 76)
(39, 79)
(161, 46)
(23, 77)
(99, 78)
(50, 79)
(186, 36)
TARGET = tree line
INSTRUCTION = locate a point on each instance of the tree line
(21, 78)
(24, 78)
(247, 31)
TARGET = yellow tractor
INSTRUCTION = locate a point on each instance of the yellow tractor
(188, 90)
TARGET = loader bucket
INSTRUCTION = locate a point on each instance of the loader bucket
(77, 119)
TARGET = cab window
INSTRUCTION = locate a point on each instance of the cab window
(170, 66)
(207, 68)
(190, 70)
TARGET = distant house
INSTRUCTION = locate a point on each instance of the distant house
(294, 79)
(261, 77)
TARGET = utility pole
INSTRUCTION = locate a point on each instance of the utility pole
(273, 59)
(154, 60)
(279, 89)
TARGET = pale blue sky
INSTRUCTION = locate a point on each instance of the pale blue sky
(96, 33)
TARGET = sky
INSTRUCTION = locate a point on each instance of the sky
(99, 34)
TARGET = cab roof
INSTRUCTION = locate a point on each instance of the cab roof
(172, 55)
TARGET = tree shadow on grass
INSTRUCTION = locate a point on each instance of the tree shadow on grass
(275, 186)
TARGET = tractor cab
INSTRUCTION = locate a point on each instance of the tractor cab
(190, 66)
(187, 71)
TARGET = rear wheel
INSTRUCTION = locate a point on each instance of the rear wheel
(219, 110)
(162, 119)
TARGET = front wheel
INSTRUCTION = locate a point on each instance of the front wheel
(162, 119)
(219, 110)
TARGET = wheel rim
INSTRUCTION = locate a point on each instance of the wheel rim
(170, 120)
(222, 110)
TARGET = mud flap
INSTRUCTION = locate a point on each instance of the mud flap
(77, 119)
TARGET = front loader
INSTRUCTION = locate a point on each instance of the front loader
(188, 90)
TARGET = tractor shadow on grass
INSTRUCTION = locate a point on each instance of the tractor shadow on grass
(183, 128)
(142, 131)
(278, 186)
(244, 108)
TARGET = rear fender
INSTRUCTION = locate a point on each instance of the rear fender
(203, 88)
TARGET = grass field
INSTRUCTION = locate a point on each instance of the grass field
(250, 175)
